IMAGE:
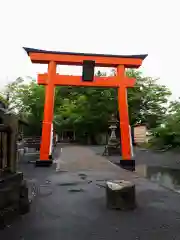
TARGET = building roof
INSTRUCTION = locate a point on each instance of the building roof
(33, 50)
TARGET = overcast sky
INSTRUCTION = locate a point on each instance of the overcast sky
(97, 26)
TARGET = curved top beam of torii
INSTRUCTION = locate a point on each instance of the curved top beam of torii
(70, 58)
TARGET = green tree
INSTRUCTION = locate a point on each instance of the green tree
(87, 110)
(26, 100)
(14, 93)
(167, 135)
(147, 100)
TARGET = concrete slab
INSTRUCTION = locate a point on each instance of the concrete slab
(70, 204)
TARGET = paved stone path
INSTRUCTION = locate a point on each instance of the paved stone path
(70, 204)
(147, 157)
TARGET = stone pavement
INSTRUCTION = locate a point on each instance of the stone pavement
(70, 204)
(147, 157)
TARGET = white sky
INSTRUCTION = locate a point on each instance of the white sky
(97, 26)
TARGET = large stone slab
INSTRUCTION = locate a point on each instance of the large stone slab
(120, 194)
(13, 197)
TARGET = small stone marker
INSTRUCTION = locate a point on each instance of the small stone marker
(120, 194)
(59, 161)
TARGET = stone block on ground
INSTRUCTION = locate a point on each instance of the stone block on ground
(24, 203)
(120, 195)
(8, 214)
(13, 198)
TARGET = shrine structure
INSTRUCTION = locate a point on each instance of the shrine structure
(88, 61)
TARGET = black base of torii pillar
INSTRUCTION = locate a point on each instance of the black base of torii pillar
(128, 164)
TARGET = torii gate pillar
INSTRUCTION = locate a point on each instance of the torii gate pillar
(88, 61)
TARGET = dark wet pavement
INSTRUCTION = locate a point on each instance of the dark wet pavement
(71, 204)
(160, 167)
(147, 157)
(165, 176)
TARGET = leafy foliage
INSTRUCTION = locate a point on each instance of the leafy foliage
(87, 110)
(167, 135)
(147, 100)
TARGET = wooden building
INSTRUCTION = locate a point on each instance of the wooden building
(14, 192)
(67, 135)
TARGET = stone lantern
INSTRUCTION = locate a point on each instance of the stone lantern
(113, 146)
(113, 126)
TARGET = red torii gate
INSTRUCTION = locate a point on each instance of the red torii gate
(88, 61)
